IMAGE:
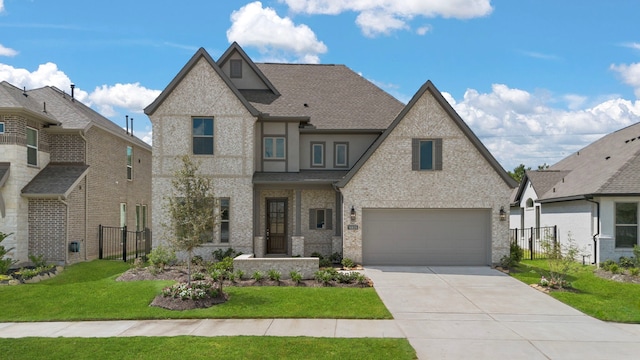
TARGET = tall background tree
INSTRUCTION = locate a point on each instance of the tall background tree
(192, 209)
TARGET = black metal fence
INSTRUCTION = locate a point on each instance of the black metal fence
(532, 240)
(118, 243)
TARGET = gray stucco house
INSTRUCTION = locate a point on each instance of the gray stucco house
(315, 158)
(592, 197)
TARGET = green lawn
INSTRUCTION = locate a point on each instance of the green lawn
(184, 347)
(603, 299)
(88, 291)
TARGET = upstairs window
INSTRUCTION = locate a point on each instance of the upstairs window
(274, 148)
(129, 163)
(203, 136)
(529, 203)
(341, 155)
(426, 154)
(32, 146)
(626, 225)
(317, 154)
(235, 68)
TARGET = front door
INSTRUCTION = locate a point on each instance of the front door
(276, 232)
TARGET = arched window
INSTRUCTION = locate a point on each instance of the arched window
(529, 203)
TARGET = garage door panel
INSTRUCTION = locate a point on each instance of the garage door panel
(426, 236)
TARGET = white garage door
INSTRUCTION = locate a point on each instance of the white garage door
(426, 236)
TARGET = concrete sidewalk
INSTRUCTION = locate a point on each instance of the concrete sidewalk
(330, 328)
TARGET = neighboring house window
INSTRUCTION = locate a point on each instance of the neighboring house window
(224, 220)
(123, 214)
(138, 217)
(274, 148)
(236, 68)
(144, 217)
(317, 154)
(626, 225)
(32, 146)
(426, 154)
(203, 136)
(340, 155)
(529, 203)
(129, 163)
(320, 219)
(1, 128)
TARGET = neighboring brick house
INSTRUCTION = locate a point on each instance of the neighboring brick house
(315, 158)
(592, 196)
(64, 170)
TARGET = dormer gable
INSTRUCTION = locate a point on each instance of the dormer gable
(242, 71)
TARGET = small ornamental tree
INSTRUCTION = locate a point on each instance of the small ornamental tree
(5, 264)
(192, 210)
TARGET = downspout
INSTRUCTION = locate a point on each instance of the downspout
(595, 242)
(66, 229)
(86, 202)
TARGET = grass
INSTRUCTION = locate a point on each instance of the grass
(183, 347)
(601, 298)
(88, 291)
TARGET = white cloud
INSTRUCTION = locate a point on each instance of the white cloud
(630, 75)
(522, 127)
(632, 45)
(423, 30)
(394, 13)
(129, 96)
(5, 51)
(47, 74)
(253, 25)
(1, 6)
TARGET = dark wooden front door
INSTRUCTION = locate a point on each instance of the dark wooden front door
(276, 226)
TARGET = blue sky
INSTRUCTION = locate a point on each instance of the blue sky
(535, 79)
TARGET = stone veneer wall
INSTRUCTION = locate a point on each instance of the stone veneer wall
(386, 180)
(203, 93)
(248, 264)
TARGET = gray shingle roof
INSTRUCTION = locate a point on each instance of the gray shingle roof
(4, 172)
(608, 166)
(332, 96)
(55, 180)
(544, 180)
(305, 177)
(14, 98)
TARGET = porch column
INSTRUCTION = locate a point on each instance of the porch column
(297, 231)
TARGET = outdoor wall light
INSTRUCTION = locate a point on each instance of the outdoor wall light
(353, 214)
(503, 214)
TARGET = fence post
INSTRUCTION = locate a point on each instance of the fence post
(100, 241)
(124, 243)
(531, 243)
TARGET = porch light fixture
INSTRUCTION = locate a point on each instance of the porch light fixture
(353, 214)
(503, 214)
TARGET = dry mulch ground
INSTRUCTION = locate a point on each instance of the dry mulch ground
(617, 277)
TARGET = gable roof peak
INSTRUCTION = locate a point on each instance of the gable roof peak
(235, 48)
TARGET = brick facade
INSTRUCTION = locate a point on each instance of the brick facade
(47, 229)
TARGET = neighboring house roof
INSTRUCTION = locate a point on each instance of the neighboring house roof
(74, 115)
(332, 96)
(428, 86)
(541, 180)
(609, 166)
(14, 98)
(315, 177)
(200, 54)
(55, 180)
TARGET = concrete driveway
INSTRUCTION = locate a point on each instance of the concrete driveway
(480, 313)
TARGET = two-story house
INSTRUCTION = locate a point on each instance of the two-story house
(315, 158)
(65, 170)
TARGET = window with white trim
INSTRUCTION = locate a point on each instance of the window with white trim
(274, 148)
(317, 154)
(32, 146)
(123, 214)
(129, 163)
(626, 224)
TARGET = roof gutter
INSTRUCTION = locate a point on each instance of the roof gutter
(595, 236)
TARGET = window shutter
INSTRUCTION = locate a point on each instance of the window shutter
(415, 154)
(312, 219)
(328, 219)
(438, 154)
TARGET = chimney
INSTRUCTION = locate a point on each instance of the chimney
(131, 126)
(127, 120)
(73, 87)
(24, 91)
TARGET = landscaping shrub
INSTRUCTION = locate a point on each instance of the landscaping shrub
(195, 291)
(636, 256)
(348, 263)
(239, 274)
(38, 260)
(325, 263)
(615, 269)
(5, 264)
(197, 260)
(220, 254)
(515, 252)
(336, 258)
(274, 275)
(625, 262)
(634, 271)
(225, 264)
(561, 259)
(161, 256)
(296, 276)
(606, 266)
(257, 276)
